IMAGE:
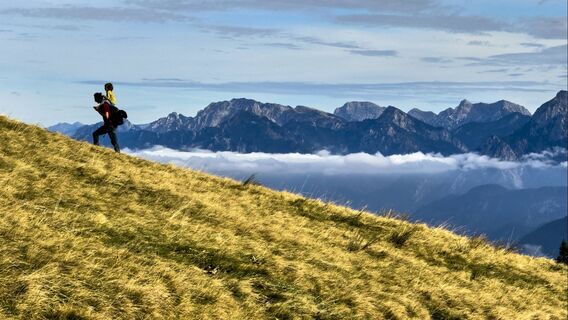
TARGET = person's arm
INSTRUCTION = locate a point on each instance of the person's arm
(106, 110)
(110, 97)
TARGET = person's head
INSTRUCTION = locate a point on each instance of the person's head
(108, 87)
(98, 97)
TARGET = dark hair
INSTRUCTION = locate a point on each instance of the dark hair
(98, 97)
(108, 86)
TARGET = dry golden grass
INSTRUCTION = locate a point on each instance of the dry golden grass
(88, 234)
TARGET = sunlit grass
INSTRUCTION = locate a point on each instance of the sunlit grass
(89, 234)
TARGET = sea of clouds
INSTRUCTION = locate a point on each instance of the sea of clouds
(400, 181)
(351, 164)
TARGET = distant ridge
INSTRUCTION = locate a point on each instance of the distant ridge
(547, 237)
(502, 214)
(65, 128)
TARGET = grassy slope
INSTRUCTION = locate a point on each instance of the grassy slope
(85, 233)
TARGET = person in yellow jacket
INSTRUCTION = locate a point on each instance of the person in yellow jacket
(109, 95)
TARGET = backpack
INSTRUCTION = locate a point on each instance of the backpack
(117, 116)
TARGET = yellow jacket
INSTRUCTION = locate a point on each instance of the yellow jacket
(110, 96)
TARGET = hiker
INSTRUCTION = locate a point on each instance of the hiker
(109, 94)
(104, 108)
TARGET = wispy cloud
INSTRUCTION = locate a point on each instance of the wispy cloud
(61, 27)
(113, 14)
(494, 71)
(450, 23)
(532, 45)
(290, 40)
(436, 60)
(375, 53)
(127, 38)
(544, 27)
(548, 56)
(318, 41)
(240, 31)
(479, 43)
(539, 27)
(277, 5)
(283, 45)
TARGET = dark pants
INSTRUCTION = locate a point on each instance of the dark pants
(104, 130)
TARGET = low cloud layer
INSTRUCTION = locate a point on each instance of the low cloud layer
(325, 163)
(400, 182)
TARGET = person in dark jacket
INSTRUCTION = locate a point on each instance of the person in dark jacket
(104, 109)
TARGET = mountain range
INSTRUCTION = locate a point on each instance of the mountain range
(467, 112)
(502, 129)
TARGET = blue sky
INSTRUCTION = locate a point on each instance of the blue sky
(180, 55)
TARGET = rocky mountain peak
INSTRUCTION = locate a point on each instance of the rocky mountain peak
(392, 111)
(558, 106)
(172, 122)
(216, 113)
(243, 103)
(359, 111)
(511, 107)
(428, 117)
(467, 112)
(396, 116)
(174, 116)
(464, 103)
(306, 109)
(498, 148)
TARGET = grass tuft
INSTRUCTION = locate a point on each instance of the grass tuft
(360, 242)
(250, 181)
(398, 237)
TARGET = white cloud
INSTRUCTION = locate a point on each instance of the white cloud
(327, 164)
